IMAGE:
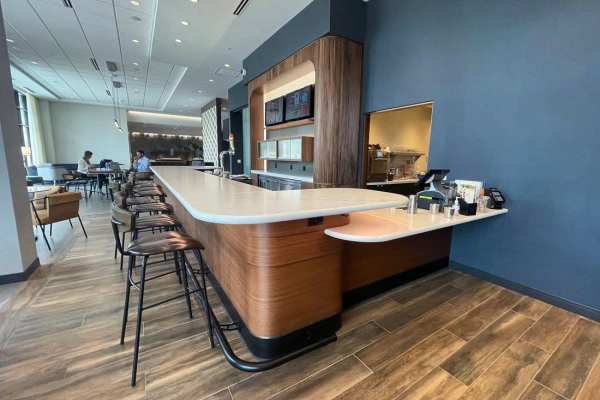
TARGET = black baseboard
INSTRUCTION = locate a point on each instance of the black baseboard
(275, 347)
(20, 276)
(373, 289)
(581, 309)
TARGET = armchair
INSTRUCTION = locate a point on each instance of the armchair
(54, 208)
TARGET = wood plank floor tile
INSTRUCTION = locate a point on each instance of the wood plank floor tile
(424, 286)
(509, 375)
(376, 355)
(591, 388)
(328, 383)
(531, 308)
(483, 315)
(437, 385)
(409, 312)
(363, 313)
(551, 329)
(478, 354)
(566, 370)
(222, 395)
(535, 391)
(393, 379)
(268, 383)
(475, 294)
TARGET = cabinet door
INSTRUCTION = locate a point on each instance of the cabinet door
(271, 149)
(284, 149)
(296, 149)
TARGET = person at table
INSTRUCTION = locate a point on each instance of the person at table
(141, 163)
(84, 165)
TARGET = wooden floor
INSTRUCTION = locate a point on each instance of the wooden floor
(449, 336)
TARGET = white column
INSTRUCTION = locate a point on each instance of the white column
(17, 246)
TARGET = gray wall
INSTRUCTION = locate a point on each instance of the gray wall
(516, 87)
(79, 127)
(17, 247)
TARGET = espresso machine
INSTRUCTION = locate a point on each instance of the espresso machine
(435, 191)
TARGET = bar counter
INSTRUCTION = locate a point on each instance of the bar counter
(286, 263)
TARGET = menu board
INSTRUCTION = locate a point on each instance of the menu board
(299, 104)
(274, 111)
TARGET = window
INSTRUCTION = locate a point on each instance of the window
(23, 122)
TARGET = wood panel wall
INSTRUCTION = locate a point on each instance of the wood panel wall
(338, 73)
(280, 277)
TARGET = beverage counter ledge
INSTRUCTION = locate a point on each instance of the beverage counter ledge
(286, 263)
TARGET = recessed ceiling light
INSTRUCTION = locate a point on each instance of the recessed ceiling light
(211, 80)
(136, 90)
(10, 40)
(194, 1)
(136, 63)
(178, 41)
(199, 91)
(135, 41)
(35, 62)
(135, 3)
(227, 65)
(135, 78)
(185, 23)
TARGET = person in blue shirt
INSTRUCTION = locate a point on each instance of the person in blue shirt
(141, 163)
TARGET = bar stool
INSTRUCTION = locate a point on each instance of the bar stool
(138, 224)
(166, 242)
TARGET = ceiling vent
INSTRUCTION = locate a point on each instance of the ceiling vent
(112, 66)
(240, 7)
(94, 64)
(67, 3)
(228, 72)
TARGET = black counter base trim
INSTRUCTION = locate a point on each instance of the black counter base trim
(581, 309)
(357, 295)
(20, 276)
(270, 348)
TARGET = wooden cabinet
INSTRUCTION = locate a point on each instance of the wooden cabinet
(267, 150)
(298, 149)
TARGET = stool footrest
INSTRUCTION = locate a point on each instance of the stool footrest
(158, 303)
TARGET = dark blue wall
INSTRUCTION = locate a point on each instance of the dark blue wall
(516, 86)
(309, 25)
(320, 18)
(237, 96)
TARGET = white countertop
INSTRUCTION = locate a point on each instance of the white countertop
(213, 199)
(394, 182)
(389, 224)
(307, 179)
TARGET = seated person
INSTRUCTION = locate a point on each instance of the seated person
(141, 163)
(84, 165)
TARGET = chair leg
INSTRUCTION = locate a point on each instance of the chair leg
(50, 229)
(185, 282)
(205, 298)
(71, 223)
(127, 292)
(82, 227)
(138, 325)
(177, 267)
(45, 238)
(122, 244)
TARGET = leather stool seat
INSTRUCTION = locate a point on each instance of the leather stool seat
(152, 207)
(147, 193)
(165, 242)
(132, 201)
(156, 221)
